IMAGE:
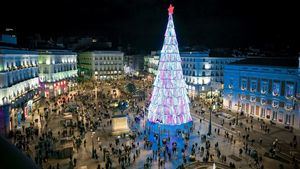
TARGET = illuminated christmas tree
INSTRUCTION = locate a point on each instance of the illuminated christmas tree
(169, 102)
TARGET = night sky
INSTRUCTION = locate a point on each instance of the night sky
(211, 23)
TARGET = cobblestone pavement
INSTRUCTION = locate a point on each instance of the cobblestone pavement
(227, 147)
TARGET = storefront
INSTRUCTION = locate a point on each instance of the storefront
(4, 119)
(54, 89)
(268, 113)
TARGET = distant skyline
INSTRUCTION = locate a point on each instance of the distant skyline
(141, 23)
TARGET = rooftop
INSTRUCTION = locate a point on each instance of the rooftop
(270, 62)
(56, 52)
(14, 50)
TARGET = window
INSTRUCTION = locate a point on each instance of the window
(264, 87)
(244, 84)
(252, 99)
(275, 103)
(263, 101)
(288, 106)
(289, 90)
(276, 88)
(243, 97)
(230, 85)
(253, 85)
(263, 113)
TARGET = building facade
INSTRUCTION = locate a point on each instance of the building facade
(57, 72)
(151, 62)
(264, 88)
(201, 72)
(101, 65)
(133, 63)
(18, 86)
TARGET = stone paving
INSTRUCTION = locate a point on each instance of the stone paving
(231, 150)
(83, 156)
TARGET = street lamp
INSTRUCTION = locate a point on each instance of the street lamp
(92, 137)
(210, 110)
(159, 122)
(237, 113)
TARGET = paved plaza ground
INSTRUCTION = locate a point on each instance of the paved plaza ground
(101, 138)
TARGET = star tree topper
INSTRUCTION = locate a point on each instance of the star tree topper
(171, 9)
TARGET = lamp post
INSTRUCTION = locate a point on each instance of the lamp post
(294, 99)
(210, 109)
(158, 135)
(92, 137)
(237, 114)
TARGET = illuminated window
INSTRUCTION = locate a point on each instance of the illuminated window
(253, 86)
(264, 87)
(244, 84)
(230, 85)
(275, 103)
(263, 101)
(276, 88)
(289, 90)
(252, 99)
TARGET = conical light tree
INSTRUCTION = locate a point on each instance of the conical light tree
(169, 102)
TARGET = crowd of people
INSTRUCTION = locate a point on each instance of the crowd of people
(92, 116)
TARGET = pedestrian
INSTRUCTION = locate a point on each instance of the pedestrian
(260, 140)
(74, 161)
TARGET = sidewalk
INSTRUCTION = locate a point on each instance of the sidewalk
(283, 135)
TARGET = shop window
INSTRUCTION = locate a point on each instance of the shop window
(280, 117)
(263, 113)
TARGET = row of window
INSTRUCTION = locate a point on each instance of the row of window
(193, 73)
(269, 113)
(211, 61)
(107, 72)
(58, 68)
(18, 76)
(19, 64)
(108, 58)
(108, 68)
(18, 90)
(277, 88)
(288, 105)
(108, 63)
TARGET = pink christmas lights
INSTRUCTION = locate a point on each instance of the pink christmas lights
(169, 102)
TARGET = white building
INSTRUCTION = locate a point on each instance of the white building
(264, 88)
(18, 86)
(201, 72)
(101, 65)
(133, 64)
(57, 71)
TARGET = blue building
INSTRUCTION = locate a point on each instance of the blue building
(266, 88)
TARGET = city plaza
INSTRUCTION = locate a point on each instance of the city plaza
(112, 120)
